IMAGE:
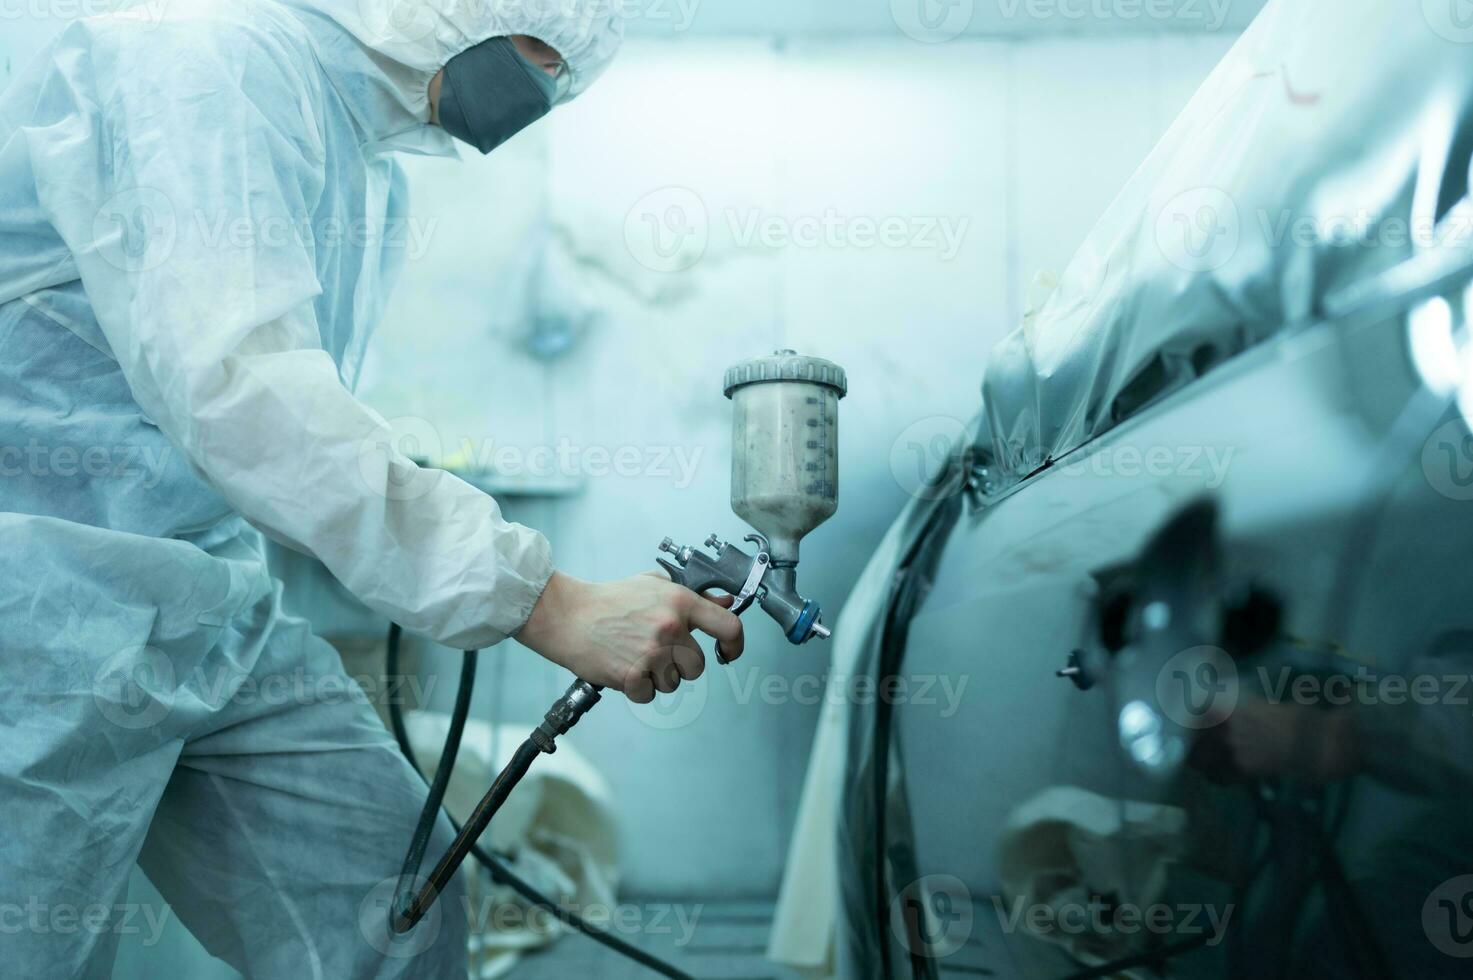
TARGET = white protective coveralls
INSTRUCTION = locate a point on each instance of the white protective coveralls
(198, 213)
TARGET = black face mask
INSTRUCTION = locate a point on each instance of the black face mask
(491, 93)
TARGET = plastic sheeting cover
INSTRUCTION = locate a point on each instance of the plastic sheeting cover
(1320, 152)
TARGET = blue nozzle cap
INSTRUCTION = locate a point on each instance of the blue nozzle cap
(802, 630)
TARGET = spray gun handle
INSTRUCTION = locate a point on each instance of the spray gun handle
(732, 571)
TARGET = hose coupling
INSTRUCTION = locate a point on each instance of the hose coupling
(566, 712)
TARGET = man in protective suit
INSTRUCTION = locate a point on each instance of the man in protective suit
(170, 389)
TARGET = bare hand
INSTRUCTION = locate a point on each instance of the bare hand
(633, 636)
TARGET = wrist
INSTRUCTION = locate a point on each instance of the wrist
(550, 611)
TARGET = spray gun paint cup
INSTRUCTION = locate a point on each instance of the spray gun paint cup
(785, 442)
(785, 466)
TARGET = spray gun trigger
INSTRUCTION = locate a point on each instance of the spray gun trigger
(751, 591)
(752, 585)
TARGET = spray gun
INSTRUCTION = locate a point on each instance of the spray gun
(749, 578)
(784, 483)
